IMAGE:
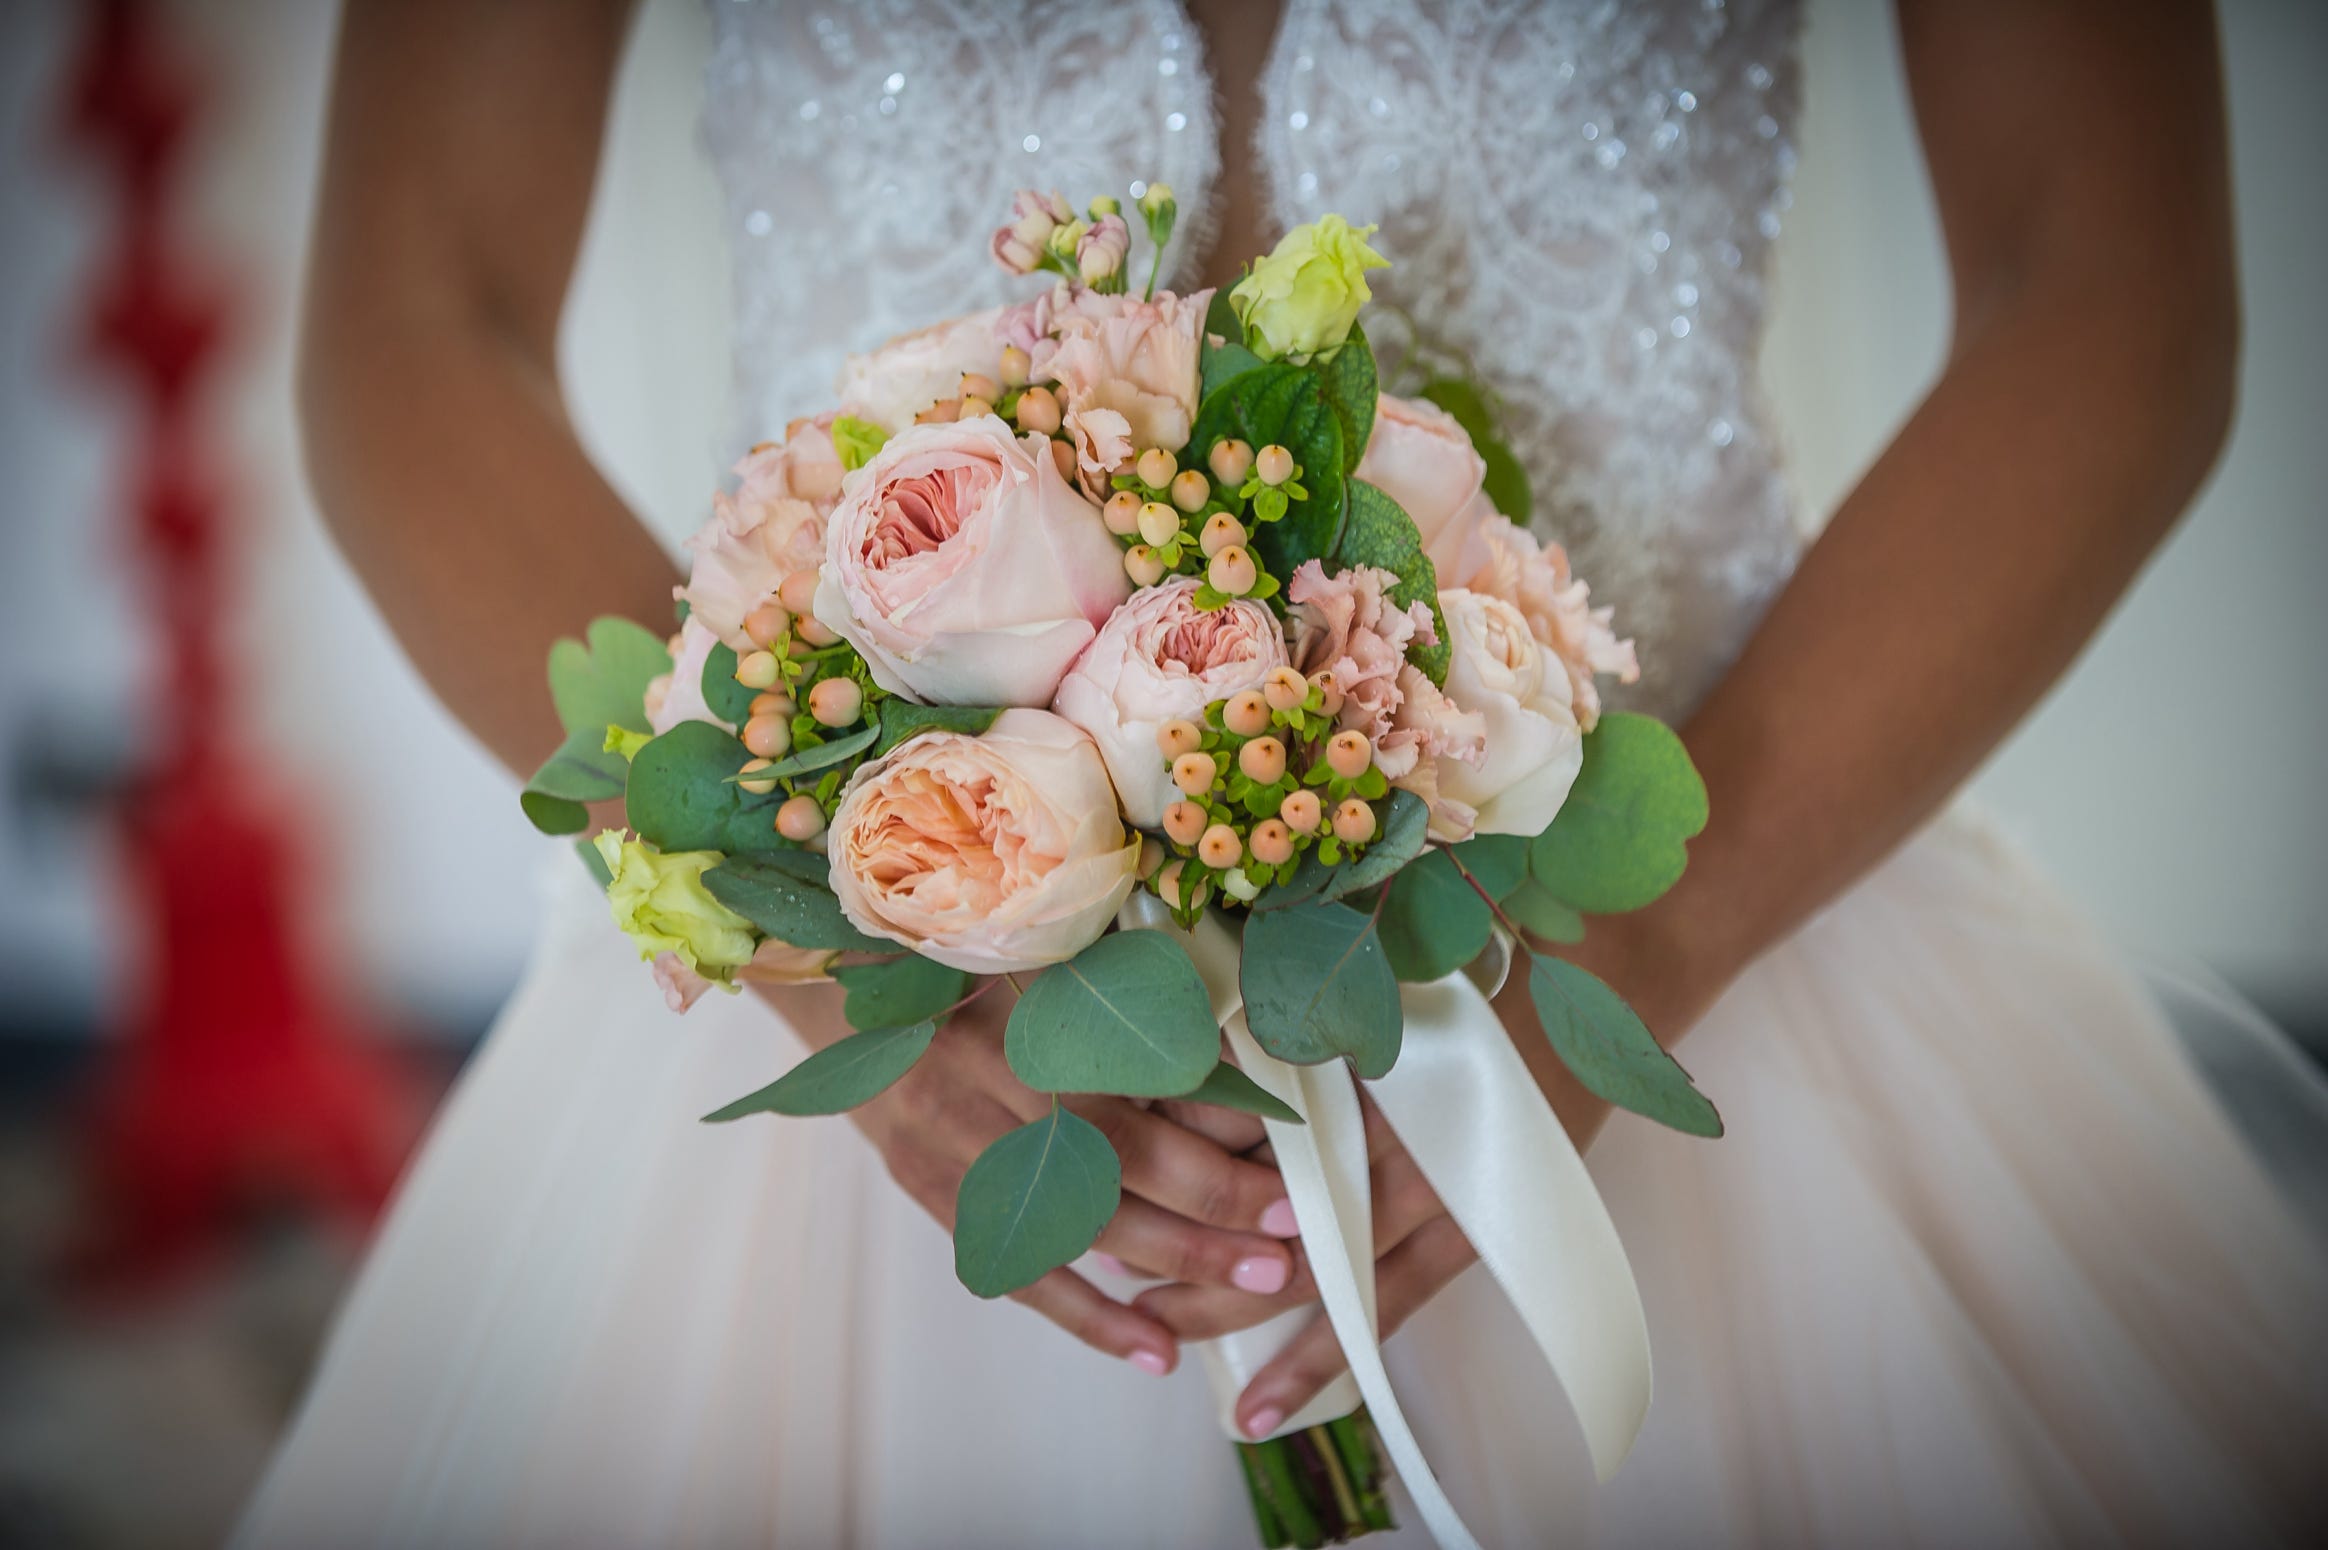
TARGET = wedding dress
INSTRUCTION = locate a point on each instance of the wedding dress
(1980, 1261)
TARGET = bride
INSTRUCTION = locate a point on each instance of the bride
(1979, 1263)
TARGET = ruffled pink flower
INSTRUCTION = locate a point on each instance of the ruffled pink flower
(1133, 360)
(1344, 624)
(770, 527)
(1534, 578)
(1427, 730)
(677, 696)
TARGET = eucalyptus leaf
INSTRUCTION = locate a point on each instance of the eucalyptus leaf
(1605, 1044)
(1498, 861)
(901, 719)
(1231, 1088)
(1351, 389)
(838, 1077)
(604, 683)
(1379, 533)
(1405, 825)
(1033, 1201)
(1533, 909)
(729, 700)
(582, 770)
(680, 798)
(1433, 922)
(899, 990)
(823, 756)
(1620, 839)
(1129, 1016)
(1318, 985)
(793, 911)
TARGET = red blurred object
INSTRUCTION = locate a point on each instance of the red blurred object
(239, 1080)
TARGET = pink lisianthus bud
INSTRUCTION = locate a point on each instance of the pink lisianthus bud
(1100, 256)
(1014, 253)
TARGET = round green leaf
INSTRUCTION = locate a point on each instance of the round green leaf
(1606, 1045)
(729, 700)
(1620, 839)
(1129, 1015)
(680, 797)
(838, 1077)
(1498, 861)
(1434, 922)
(604, 683)
(1317, 985)
(899, 990)
(1535, 911)
(1033, 1201)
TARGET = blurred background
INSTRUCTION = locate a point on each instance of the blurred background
(214, 1054)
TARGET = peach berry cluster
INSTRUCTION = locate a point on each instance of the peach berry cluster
(1174, 521)
(1033, 408)
(810, 689)
(1264, 781)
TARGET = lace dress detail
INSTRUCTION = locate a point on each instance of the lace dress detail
(1579, 196)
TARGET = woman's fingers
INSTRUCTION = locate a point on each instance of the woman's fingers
(1151, 1241)
(1406, 1278)
(1227, 1129)
(1102, 1323)
(1188, 1175)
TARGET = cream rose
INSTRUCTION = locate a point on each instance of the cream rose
(964, 569)
(1159, 658)
(1534, 578)
(1420, 457)
(1533, 747)
(892, 384)
(993, 854)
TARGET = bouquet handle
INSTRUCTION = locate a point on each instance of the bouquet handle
(1474, 1121)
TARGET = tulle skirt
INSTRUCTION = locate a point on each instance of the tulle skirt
(1981, 1262)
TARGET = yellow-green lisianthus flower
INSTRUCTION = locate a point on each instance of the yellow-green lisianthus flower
(624, 741)
(1304, 296)
(660, 902)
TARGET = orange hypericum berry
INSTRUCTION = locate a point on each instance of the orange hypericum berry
(758, 788)
(1063, 459)
(1156, 467)
(766, 624)
(769, 737)
(1272, 842)
(758, 670)
(836, 701)
(1151, 857)
(1231, 461)
(1038, 411)
(1246, 714)
(1262, 760)
(1159, 523)
(809, 630)
(800, 819)
(774, 703)
(1274, 464)
(979, 385)
(972, 408)
(798, 592)
(1353, 822)
(1220, 531)
(1194, 773)
(1233, 571)
(1014, 366)
(1184, 823)
(1285, 688)
(1348, 754)
(1168, 883)
(1175, 738)
(1302, 811)
(1329, 692)
(1143, 565)
(944, 412)
(1190, 490)
(1122, 513)
(1220, 848)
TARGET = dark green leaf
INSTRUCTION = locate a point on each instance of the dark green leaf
(1404, 827)
(1433, 923)
(1129, 1015)
(898, 991)
(1350, 389)
(822, 756)
(838, 1077)
(729, 700)
(1620, 839)
(604, 683)
(1317, 985)
(1499, 861)
(1600, 1039)
(1534, 910)
(1506, 484)
(1233, 1089)
(680, 798)
(1507, 481)
(1381, 534)
(794, 912)
(1282, 404)
(901, 719)
(1033, 1201)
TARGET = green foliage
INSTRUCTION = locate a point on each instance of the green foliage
(838, 1077)
(1381, 534)
(820, 756)
(604, 683)
(1621, 837)
(680, 796)
(582, 770)
(1231, 1088)
(1507, 481)
(1033, 1201)
(899, 990)
(1404, 826)
(1217, 363)
(1318, 985)
(594, 863)
(857, 440)
(1348, 382)
(1433, 922)
(729, 700)
(1128, 1015)
(1533, 909)
(901, 719)
(787, 907)
(1499, 862)
(1602, 1041)
(1282, 404)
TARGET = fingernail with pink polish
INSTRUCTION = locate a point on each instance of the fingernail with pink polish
(1278, 1220)
(1150, 1363)
(1264, 1421)
(1261, 1273)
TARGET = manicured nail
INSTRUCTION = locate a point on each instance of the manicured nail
(1109, 1263)
(1150, 1363)
(1261, 1273)
(1263, 1421)
(1278, 1220)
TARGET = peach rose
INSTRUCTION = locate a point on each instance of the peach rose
(770, 527)
(965, 569)
(992, 854)
(892, 384)
(1420, 457)
(1126, 370)
(1533, 746)
(1158, 658)
(1535, 579)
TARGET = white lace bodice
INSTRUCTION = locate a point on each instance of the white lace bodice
(1577, 195)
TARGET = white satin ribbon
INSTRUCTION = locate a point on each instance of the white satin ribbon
(1475, 1123)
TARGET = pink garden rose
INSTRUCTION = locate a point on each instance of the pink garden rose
(1161, 658)
(1535, 579)
(992, 854)
(965, 569)
(1420, 457)
(770, 527)
(892, 384)
(1533, 747)
(1126, 371)
(677, 696)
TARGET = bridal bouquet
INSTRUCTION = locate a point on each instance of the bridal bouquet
(1083, 632)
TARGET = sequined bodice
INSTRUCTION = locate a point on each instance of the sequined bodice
(1577, 195)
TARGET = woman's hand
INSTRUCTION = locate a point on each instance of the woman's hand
(1192, 1212)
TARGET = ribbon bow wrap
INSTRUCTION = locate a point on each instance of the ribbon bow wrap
(1471, 1116)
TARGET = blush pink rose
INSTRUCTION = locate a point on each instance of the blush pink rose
(1420, 457)
(965, 569)
(1535, 579)
(992, 854)
(892, 384)
(1126, 372)
(677, 696)
(1161, 658)
(770, 527)
(1533, 747)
